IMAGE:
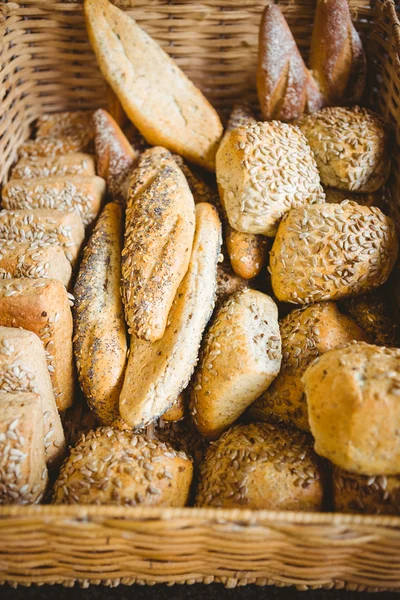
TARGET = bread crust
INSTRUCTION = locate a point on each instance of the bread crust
(177, 410)
(376, 495)
(34, 167)
(76, 123)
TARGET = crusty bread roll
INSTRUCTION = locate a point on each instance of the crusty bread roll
(123, 468)
(376, 495)
(69, 123)
(260, 466)
(83, 195)
(159, 232)
(306, 334)
(350, 146)
(23, 368)
(353, 407)
(42, 306)
(50, 146)
(286, 88)
(115, 157)
(36, 167)
(100, 343)
(331, 252)
(337, 58)
(228, 283)
(247, 252)
(157, 372)
(263, 171)
(335, 196)
(23, 472)
(158, 98)
(241, 356)
(177, 410)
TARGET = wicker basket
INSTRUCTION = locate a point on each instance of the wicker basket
(47, 65)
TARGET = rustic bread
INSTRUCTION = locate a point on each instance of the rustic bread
(36, 167)
(260, 466)
(331, 252)
(155, 94)
(177, 410)
(241, 356)
(42, 306)
(23, 368)
(159, 232)
(100, 343)
(376, 495)
(264, 170)
(350, 146)
(353, 407)
(49, 146)
(23, 472)
(306, 334)
(123, 468)
(69, 123)
(157, 372)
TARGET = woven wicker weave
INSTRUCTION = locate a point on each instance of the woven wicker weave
(46, 64)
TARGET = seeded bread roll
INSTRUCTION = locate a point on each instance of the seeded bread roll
(83, 195)
(259, 466)
(36, 167)
(124, 469)
(44, 226)
(159, 232)
(177, 410)
(50, 146)
(263, 171)
(23, 472)
(157, 372)
(100, 343)
(331, 252)
(183, 436)
(241, 356)
(306, 334)
(69, 123)
(353, 407)
(334, 196)
(23, 368)
(156, 95)
(42, 306)
(350, 146)
(376, 495)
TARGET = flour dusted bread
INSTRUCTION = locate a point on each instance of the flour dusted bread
(158, 98)
(353, 407)
(123, 468)
(36, 167)
(241, 356)
(157, 372)
(332, 251)
(371, 495)
(100, 343)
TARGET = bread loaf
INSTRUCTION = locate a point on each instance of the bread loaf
(159, 231)
(36, 167)
(158, 98)
(49, 146)
(42, 306)
(69, 123)
(241, 356)
(157, 372)
(331, 252)
(353, 406)
(376, 495)
(100, 343)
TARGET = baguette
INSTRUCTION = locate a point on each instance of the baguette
(36, 167)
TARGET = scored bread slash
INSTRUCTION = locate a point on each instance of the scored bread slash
(35, 167)
(157, 372)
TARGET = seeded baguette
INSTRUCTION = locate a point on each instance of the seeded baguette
(23, 368)
(126, 469)
(157, 372)
(376, 495)
(241, 356)
(42, 306)
(35, 167)
(100, 343)
(23, 472)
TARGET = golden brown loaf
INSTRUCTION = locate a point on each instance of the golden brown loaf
(260, 466)
(23, 472)
(371, 495)
(159, 231)
(241, 356)
(23, 368)
(123, 468)
(36, 167)
(337, 58)
(157, 372)
(177, 410)
(100, 343)
(332, 251)
(263, 171)
(350, 146)
(306, 334)
(353, 407)
(70, 123)
(42, 306)
(158, 98)
(247, 252)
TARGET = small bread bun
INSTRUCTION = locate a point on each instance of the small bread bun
(260, 466)
(331, 252)
(353, 407)
(123, 468)
(350, 146)
(375, 495)
(35, 167)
